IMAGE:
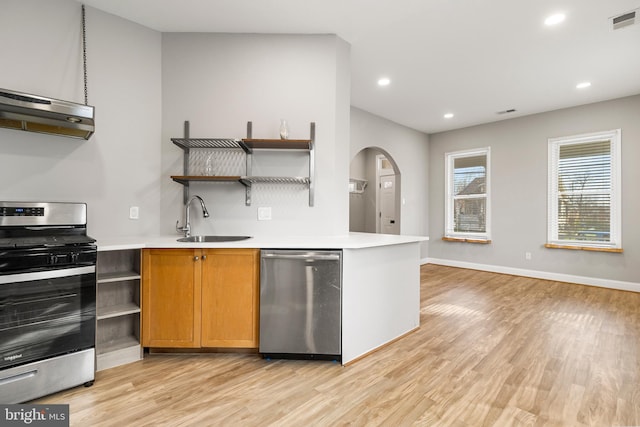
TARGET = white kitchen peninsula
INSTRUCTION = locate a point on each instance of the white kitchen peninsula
(380, 280)
(380, 296)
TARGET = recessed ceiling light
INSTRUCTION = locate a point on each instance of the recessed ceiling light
(583, 85)
(384, 81)
(554, 19)
(448, 116)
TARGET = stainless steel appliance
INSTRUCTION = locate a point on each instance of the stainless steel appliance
(47, 299)
(300, 304)
(33, 113)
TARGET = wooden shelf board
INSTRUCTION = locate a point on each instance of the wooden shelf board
(119, 276)
(465, 240)
(278, 144)
(584, 248)
(117, 310)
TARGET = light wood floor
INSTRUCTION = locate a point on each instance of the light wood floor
(492, 350)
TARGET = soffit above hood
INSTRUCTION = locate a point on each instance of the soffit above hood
(32, 113)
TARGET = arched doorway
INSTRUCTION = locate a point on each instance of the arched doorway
(374, 192)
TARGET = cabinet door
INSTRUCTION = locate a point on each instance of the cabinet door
(230, 292)
(171, 298)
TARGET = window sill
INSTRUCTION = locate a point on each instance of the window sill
(463, 240)
(583, 248)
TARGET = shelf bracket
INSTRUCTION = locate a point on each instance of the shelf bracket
(248, 159)
(185, 189)
(312, 162)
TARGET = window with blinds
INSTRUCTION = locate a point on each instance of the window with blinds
(584, 190)
(467, 212)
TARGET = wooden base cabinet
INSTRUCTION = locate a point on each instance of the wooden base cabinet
(194, 298)
(230, 294)
(170, 298)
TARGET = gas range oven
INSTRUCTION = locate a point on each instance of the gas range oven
(47, 299)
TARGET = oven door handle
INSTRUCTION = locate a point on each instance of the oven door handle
(50, 227)
(44, 275)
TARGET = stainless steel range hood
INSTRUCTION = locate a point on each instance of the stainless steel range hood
(32, 113)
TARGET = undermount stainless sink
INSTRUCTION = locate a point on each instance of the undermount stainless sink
(212, 239)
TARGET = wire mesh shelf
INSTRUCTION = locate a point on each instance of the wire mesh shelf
(248, 180)
(186, 179)
(187, 143)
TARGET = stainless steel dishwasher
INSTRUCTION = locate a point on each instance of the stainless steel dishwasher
(300, 304)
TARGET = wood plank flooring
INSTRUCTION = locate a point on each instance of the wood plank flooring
(492, 350)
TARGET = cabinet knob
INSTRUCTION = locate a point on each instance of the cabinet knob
(204, 257)
(195, 258)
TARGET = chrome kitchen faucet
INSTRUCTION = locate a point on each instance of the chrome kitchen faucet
(187, 227)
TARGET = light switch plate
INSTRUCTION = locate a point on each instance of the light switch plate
(264, 213)
(134, 212)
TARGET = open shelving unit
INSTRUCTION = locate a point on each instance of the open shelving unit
(249, 146)
(118, 308)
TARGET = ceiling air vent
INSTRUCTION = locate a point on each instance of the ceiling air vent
(510, 110)
(624, 20)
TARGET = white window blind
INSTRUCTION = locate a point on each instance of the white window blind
(584, 190)
(467, 212)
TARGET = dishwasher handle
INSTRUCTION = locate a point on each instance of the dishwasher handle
(311, 256)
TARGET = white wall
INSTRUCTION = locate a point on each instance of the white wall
(119, 166)
(519, 194)
(410, 150)
(218, 82)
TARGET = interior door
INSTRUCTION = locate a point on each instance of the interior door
(388, 222)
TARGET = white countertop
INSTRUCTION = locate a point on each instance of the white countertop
(347, 241)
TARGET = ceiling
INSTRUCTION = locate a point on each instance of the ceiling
(467, 57)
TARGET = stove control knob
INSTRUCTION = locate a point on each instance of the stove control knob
(53, 259)
(74, 257)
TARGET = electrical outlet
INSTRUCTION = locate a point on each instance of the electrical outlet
(527, 256)
(134, 212)
(264, 213)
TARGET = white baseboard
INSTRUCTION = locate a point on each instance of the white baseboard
(580, 280)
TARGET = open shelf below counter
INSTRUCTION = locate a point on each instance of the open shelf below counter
(118, 307)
